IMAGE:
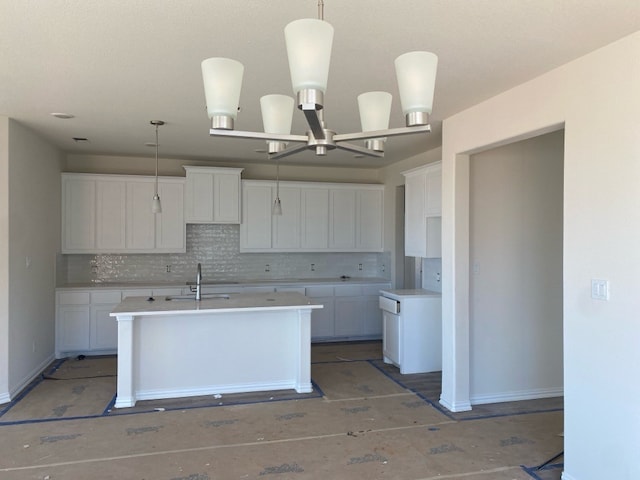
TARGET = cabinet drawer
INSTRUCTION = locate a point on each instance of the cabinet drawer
(139, 292)
(113, 296)
(291, 289)
(74, 298)
(374, 289)
(319, 291)
(349, 291)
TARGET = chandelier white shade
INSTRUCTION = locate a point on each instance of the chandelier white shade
(416, 74)
(309, 44)
(222, 79)
(277, 113)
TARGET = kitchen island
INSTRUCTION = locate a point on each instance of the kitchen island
(172, 347)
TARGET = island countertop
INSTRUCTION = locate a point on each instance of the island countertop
(162, 305)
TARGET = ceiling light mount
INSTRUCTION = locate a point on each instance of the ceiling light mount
(309, 43)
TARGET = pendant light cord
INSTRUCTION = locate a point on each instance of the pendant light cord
(321, 9)
(157, 159)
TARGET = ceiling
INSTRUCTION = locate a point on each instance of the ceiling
(116, 65)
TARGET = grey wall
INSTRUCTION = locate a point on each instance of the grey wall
(516, 270)
(33, 183)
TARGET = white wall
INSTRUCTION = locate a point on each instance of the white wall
(4, 265)
(597, 98)
(515, 241)
(33, 184)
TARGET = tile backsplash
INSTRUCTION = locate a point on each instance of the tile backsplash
(217, 248)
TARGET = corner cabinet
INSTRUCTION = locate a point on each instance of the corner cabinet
(212, 195)
(423, 211)
(112, 214)
(316, 217)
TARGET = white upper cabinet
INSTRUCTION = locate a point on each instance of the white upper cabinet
(314, 228)
(255, 230)
(316, 217)
(286, 227)
(112, 214)
(78, 214)
(423, 210)
(342, 219)
(212, 195)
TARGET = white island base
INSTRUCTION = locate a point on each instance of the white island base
(184, 348)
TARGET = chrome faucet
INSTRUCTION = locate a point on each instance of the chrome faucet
(199, 283)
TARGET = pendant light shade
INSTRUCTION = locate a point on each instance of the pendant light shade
(309, 44)
(375, 108)
(416, 74)
(222, 79)
(156, 206)
(277, 113)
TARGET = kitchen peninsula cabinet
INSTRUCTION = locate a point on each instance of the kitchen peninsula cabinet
(423, 211)
(316, 217)
(112, 214)
(212, 195)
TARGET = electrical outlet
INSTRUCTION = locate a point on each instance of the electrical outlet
(168, 268)
(384, 269)
(267, 268)
(313, 267)
(359, 266)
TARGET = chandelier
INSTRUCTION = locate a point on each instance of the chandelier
(308, 43)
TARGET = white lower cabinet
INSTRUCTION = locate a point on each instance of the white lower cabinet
(83, 324)
(350, 312)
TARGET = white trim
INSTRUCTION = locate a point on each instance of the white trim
(566, 476)
(517, 396)
(13, 392)
(455, 406)
(4, 398)
(214, 390)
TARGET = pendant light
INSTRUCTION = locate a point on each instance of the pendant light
(277, 206)
(156, 206)
(277, 115)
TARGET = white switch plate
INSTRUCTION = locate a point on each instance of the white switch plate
(599, 289)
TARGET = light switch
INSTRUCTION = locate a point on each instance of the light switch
(599, 289)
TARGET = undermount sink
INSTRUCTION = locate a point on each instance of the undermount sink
(205, 296)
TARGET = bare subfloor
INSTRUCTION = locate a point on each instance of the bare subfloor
(363, 420)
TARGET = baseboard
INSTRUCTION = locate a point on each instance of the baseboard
(566, 476)
(213, 390)
(456, 406)
(517, 396)
(5, 398)
(29, 378)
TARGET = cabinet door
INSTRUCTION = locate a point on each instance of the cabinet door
(372, 317)
(78, 215)
(369, 235)
(199, 197)
(255, 229)
(391, 338)
(348, 317)
(140, 220)
(414, 217)
(342, 219)
(322, 326)
(286, 227)
(104, 329)
(434, 191)
(226, 198)
(73, 325)
(110, 215)
(170, 226)
(315, 219)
